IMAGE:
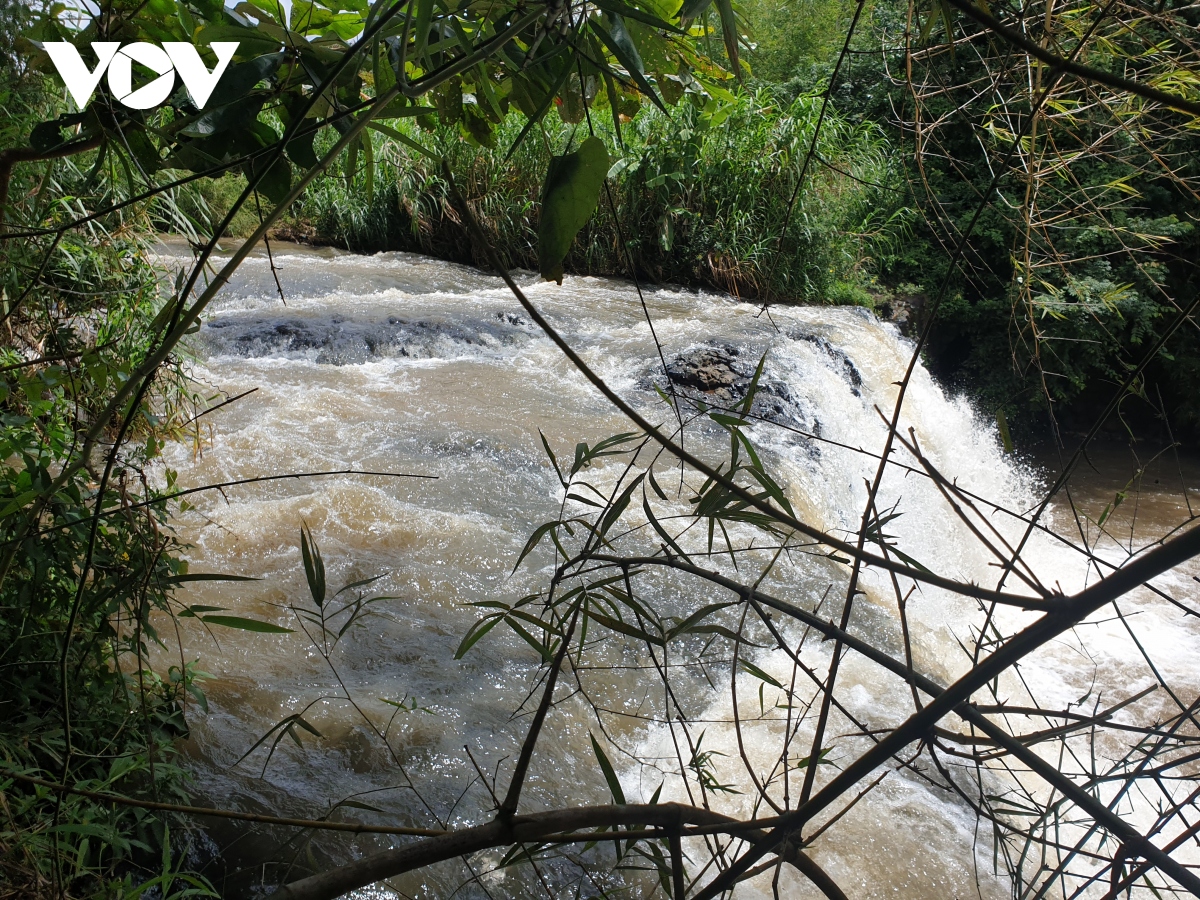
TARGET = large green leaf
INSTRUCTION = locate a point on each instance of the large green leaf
(242, 78)
(569, 198)
(300, 150)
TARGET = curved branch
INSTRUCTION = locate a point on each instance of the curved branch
(953, 699)
(531, 828)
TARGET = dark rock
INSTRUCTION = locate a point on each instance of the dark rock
(338, 340)
(713, 370)
(902, 310)
(719, 375)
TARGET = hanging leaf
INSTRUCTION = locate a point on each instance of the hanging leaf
(421, 28)
(276, 181)
(571, 103)
(404, 139)
(1002, 427)
(751, 669)
(206, 576)
(300, 150)
(693, 8)
(730, 32)
(314, 566)
(242, 78)
(655, 19)
(448, 99)
(352, 161)
(476, 126)
(620, 44)
(569, 198)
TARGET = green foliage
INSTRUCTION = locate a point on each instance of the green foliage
(79, 698)
(569, 197)
(795, 41)
(1070, 273)
(296, 72)
(90, 707)
(700, 196)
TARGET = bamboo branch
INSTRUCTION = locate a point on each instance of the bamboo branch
(1045, 629)
(1072, 68)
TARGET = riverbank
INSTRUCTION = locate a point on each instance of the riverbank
(702, 196)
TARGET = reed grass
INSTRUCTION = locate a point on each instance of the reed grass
(697, 196)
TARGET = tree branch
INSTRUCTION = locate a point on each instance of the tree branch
(1076, 609)
(520, 829)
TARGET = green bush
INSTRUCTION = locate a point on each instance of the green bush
(701, 197)
(80, 596)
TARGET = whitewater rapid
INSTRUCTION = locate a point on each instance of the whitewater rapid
(401, 364)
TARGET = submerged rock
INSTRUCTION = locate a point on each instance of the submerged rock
(719, 375)
(338, 340)
(714, 370)
(842, 362)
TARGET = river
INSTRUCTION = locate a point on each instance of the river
(401, 364)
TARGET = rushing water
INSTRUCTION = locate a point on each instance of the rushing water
(401, 364)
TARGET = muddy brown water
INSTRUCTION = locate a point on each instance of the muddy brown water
(398, 363)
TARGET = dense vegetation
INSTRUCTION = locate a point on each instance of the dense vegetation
(90, 704)
(1039, 319)
(699, 196)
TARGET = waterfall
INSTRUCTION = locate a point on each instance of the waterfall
(401, 364)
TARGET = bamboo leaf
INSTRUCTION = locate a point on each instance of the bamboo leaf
(619, 42)
(610, 775)
(474, 633)
(243, 624)
(697, 617)
(542, 650)
(662, 532)
(421, 27)
(616, 7)
(729, 31)
(314, 566)
(617, 625)
(553, 458)
(611, 517)
(534, 540)
(751, 669)
(404, 139)
(206, 576)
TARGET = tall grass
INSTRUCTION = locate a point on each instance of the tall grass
(697, 196)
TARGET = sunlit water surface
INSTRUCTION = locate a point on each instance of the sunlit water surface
(398, 363)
